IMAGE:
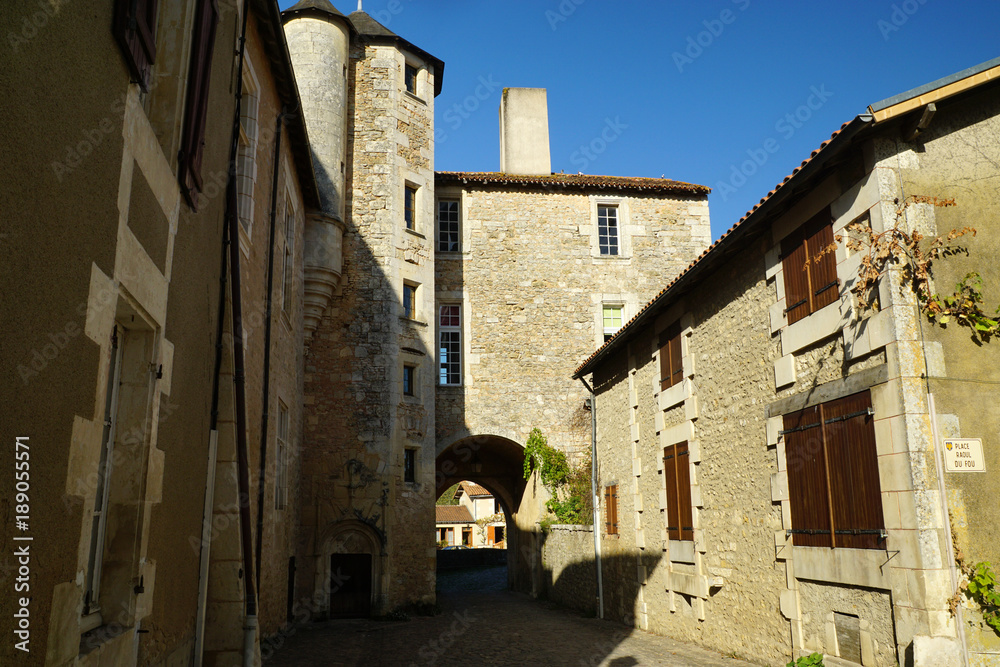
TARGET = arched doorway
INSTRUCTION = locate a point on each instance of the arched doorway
(349, 569)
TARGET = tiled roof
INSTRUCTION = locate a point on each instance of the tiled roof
(452, 514)
(473, 490)
(747, 220)
(576, 181)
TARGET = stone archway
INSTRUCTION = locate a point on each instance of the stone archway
(349, 569)
(497, 463)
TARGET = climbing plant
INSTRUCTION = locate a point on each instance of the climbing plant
(811, 660)
(981, 586)
(568, 486)
(915, 254)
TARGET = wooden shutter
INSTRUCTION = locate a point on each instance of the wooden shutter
(671, 364)
(491, 534)
(684, 514)
(196, 105)
(807, 478)
(793, 254)
(135, 29)
(670, 480)
(822, 271)
(855, 491)
(613, 509)
(607, 510)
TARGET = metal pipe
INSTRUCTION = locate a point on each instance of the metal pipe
(266, 388)
(593, 491)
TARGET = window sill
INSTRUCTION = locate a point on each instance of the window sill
(414, 233)
(609, 259)
(450, 386)
(413, 322)
(681, 551)
(851, 567)
(452, 254)
(414, 97)
(825, 322)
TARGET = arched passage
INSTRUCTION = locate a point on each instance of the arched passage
(497, 463)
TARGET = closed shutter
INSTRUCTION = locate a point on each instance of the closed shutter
(671, 364)
(490, 535)
(196, 105)
(808, 489)
(855, 491)
(822, 271)
(793, 254)
(135, 29)
(613, 509)
(607, 510)
(670, 480)
(684, 491)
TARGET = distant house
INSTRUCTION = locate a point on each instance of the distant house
(454, 526)
(482, 505)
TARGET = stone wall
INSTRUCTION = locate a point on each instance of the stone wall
(568, 562)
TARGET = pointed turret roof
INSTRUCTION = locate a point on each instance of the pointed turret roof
(371, 30)
(314, 7)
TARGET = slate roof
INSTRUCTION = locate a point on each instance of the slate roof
(452, 514)
(314, 6)
(373, 31)
(573, 181)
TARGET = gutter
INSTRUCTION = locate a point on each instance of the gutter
(593, 492)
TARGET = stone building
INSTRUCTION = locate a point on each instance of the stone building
(142, 449)
(779, 463)
(461, 303)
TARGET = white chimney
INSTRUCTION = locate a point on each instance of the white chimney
(524, 132)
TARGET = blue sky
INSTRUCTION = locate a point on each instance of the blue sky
(690, 91)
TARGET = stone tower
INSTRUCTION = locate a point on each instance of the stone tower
(368, 461)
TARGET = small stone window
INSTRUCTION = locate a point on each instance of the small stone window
(409, 301)
(409, 465)
(608, 237)
(409, 376)
(447, 226)
(410, 207)
(410, 78)
(612, 319)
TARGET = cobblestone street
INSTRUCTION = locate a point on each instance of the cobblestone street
(483, 624)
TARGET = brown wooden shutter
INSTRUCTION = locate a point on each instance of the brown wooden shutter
(855, 491)
(676, 363)
(614, 508)
(822, 271)
(491, 534)
(684, 514)
(607, 510)
(670, 480)
(196, 106)
(807, 478)
(135, 29)
(671, 364)
(793, 253)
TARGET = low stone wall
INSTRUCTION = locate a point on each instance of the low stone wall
(449, 559)
(568, 559)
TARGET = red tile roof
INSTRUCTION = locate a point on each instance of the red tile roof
(575, 181)
(583, 369)
(452, 514)
(472, 489)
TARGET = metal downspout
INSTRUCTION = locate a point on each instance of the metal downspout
(266, 389)
(593, 492)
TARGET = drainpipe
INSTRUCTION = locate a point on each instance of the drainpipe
(266, 390)
(593, 492)
(213, 438)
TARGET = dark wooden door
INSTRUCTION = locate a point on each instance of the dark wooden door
(350, 585)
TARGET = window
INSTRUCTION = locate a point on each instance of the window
(612, 316)
(288, 256)
(409, 301)
(467, 536)
(447, 220)
(677, 478)
(410, 76)
(611, 510)
(496, 506)
(498, 534)
(135, 30)
(246, 159)
(409, 465)
(450, 347)
(810, 283)
(671, 363)
(833, 482)
(196, 105)
(607, 229)
(410, 206)
(95, 562)
(281, 459)
(409, 375)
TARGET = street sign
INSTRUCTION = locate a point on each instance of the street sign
(964, 455)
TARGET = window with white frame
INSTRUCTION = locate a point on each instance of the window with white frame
(246, 161)
(450, 345)
(608, 234)
(612, 319)
(281, 459)
(447, 226)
